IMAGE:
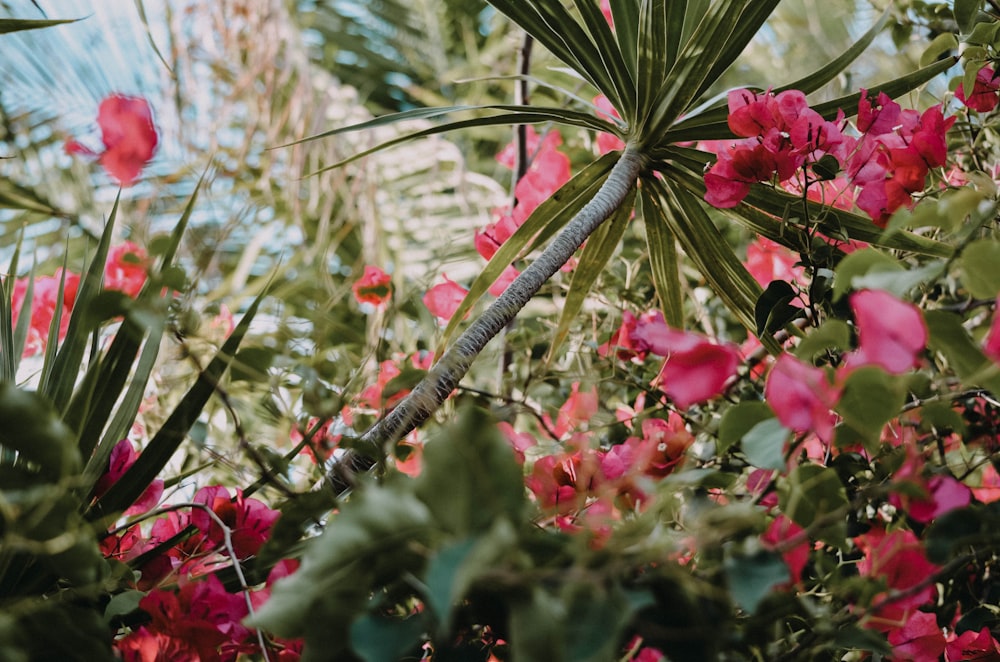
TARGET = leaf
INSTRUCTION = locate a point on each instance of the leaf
(811, 492)
(979, 266)
(664, 263)
(966, 12)
(8, 25)
(861, 263)
(764, 444)
(370, 541)
(31, 426)
(751, 577)
(773, 309)
(833, 334)
(378, 638)
(165, 442)
(739, 419)
(598, 250)
(870, 399)
(484, 480)
(951, 340)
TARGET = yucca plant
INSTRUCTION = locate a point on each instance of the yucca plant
(658, 67)
(56, 442)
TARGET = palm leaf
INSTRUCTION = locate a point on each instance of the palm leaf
(664, 263)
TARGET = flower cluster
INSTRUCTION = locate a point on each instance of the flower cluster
(125, 272)
(128, 134)
(786, 141)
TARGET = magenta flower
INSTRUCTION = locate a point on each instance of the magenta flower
(801, 397)
(374, 286)
(984, 95)
(444, 298)
(128, 134)
(891, 333)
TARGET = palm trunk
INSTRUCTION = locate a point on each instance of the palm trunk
(445, 375)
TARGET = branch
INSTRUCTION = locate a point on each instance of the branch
(445, 375)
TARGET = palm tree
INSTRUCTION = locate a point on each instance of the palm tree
(658, 67)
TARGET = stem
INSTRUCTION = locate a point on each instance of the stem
(444, 376)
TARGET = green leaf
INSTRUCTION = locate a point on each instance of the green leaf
(811, 492)
(598, 250)
(773, 309)
(122, 604)
(966, 12)
(870, 399)
(30, 425)
(371, 541)
(710, 252)
(165, 442)
(764, 444)
(751, 577)
(739, 419)
(833, 334)
(862, 263)
(899, 282)
(951, 340)
(484, 480)
(664, 264)
(59, 383)
(8, 25)
(979, 266)
(941, 44)
(379, 638)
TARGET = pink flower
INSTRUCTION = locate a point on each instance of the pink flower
(984, 95)
(578, 408)
(126, 269)
(919, 640)
(123, 456)
(128, 134)
(444, 298)
(607, 142)
(972, 646)
(991, 345)
(374, 286)
(696, 369)
(891, 333)
(248, 520)
(781, 530)
(802, 397)
(898, 559)
(768, 260)
(43, 307)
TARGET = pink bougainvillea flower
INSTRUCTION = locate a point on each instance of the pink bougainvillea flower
(778, 533)
(696, 368)
(607, 142)
(898, 559)
(802, 397)
(972, 646)
(44, 303)
(991, 345)
(919, 640)
(321, 444)
(579, 408)
(768, 260)
(444, 298)
(891, 333)
(942, 495)
(126, 268)
(123, 456)
(984, 95)
(248, 520)
(128, 134)
(374, 286)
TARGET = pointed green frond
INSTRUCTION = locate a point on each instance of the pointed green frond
(595, 256)
(619, 73)
(545, 221)
(749, 23)
(59, 386)
(689, 72)
(8, 25)
(663, 260)
(626, 19)
(710, 252)
(657, 45)
(553, 26)
(162, 446)
(517, 115)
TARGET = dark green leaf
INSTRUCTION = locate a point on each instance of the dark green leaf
(773, 309)
(738, 420)
(764, 444)
(752, 577)
(979, 266)
(379, 638)
(17, 24)
(966, 12)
